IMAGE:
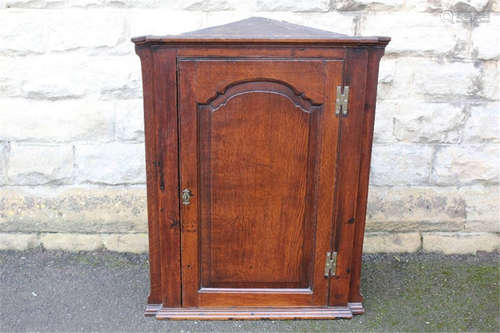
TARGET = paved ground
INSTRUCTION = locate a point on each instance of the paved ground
(105, 292)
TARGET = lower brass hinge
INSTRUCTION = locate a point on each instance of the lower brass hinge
(342, 100)
(330, 264)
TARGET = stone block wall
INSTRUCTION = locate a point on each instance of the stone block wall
(71, 126)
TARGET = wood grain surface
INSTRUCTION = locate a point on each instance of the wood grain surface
(243, 116)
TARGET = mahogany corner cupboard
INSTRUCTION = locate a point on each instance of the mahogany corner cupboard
(258, 142)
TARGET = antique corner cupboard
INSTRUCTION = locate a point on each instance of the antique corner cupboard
(258, 142)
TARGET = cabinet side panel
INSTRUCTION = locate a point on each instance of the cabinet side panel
(151, 178)
(366, 149)
(348, 173)
(165, 103)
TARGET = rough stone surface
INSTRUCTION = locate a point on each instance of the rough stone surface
(18, 241)
(60, 76)
(412, 162)
(495, 6)
(488, 85)
(56, 121)
(482, 208)
(162, 22)
(404, 209)
(409, 31)
(114, 78)
(71, 242)
(428, 122)
(71, 114)
(102, 29)
(453, 5)
(391, 242)
(386, 88)
(384, 121)
(3, 163)
(483, 124)
(440, 79)
(112, 163)
(483, 45)
(39, 164)
(43, 77)
(204, 5)
(130, 120)
(349, 5)
(466, 164)
(293, 5)
(423, 79)
(37, 4)
(20, 34)
(135, 243)
(462, 243)
(73, 209)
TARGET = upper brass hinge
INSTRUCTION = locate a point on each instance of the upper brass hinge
(330, 264)
(342, 100)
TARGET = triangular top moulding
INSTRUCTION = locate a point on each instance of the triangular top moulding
(261, 30)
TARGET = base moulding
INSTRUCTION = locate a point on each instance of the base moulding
(254, 313)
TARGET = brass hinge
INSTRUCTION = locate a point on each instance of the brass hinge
(342, 100)
(330, 264)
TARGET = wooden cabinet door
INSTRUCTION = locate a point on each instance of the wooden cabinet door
(258, 149)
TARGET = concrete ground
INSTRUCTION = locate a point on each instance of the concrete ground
(105, 292)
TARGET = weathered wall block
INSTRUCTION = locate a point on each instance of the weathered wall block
(483, 208)
(39, 164)
(96, 29)
(35, 4)
(466, 164)
(482, 45)
(391, 242)
(349, 5)
(4, 150)
(18, 241)
(71, 242)
(483, 124)
(293, 5)
(111, 163)
(408, 30)
(70, 77)
(426, 208)
(203, 5)
(73, 209)
(161, 21)
(435, 79)
(385, 114)
(429, 122)
(417, 78)
(21, 34)
(135, 243)
(452, 5)
(56, 121)
(488, 84)
(495, 6)
(462, 243)
(129, 120)
(412, 162)
(386, 88)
